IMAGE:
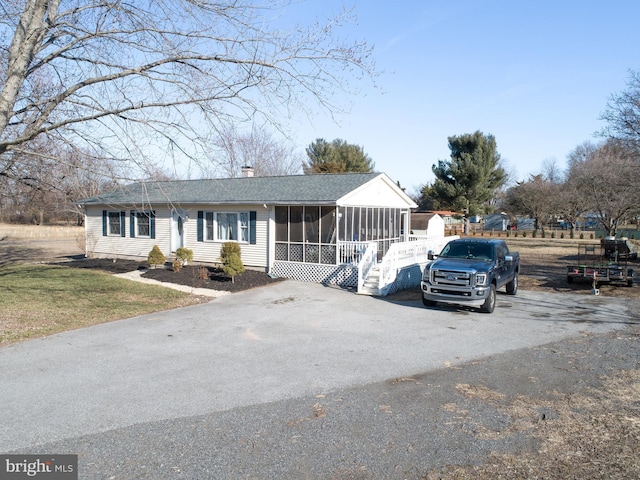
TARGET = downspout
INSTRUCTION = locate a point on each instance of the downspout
(270, 238)
(86, 243)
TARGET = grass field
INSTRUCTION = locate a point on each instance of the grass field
(24, 232)
(38, 300)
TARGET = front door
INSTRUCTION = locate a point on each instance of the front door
(177, 229)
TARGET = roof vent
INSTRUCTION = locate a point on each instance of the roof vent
(247, 171)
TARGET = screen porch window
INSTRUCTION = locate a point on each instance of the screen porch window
(306, 234)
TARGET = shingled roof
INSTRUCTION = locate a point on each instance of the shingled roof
(298, 189)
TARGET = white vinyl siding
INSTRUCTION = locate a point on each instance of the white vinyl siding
(253, 256)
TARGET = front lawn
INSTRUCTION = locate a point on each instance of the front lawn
(38, 300)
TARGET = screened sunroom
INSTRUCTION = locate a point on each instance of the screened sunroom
(333, 235)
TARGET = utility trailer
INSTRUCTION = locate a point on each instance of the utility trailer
(619, 249)
(594, 265)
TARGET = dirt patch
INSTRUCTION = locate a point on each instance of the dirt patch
(593, 434)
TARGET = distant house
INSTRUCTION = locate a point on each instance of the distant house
(307, 227)
(427, 224)
(498, 222)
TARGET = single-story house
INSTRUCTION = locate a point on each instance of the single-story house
(307, 227)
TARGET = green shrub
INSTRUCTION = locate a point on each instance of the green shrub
(562, 235)
(581, 236)
(231, 261)
(524, 234)
(156, 257)
(535, 234)
(553, 234)
(184, 255)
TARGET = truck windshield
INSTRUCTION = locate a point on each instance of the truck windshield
(468, 250)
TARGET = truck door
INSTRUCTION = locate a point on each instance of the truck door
(502, 267)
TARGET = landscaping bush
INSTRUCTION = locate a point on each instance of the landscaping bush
(184, 255)
(156, 257)
(230, 256)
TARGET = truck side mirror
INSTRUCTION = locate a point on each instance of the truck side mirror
(508, 260)
(430, 255)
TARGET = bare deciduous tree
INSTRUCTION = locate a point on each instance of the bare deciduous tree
(232, 150)
(606, 178)
(623, 114)
(136, 80)
(535, 198)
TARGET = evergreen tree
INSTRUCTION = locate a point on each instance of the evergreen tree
(471, 178)
(336, 157)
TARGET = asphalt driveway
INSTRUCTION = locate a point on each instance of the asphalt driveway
(272, 344)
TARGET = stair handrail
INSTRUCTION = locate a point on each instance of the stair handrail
(368, 259)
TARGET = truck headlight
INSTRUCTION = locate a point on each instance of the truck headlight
(481, 279)
(426, 274)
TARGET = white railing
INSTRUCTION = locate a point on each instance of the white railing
(400, 255)
(367, 261)
(351, 252)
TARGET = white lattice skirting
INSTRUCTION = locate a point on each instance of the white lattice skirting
(341, 275)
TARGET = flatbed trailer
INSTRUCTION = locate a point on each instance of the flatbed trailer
(593, 266)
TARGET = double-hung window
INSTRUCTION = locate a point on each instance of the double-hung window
(143, 224)
(113, 223)
(227, 226)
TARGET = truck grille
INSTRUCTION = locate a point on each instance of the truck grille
(451, 278)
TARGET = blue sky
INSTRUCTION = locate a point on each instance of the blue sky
(535, 74)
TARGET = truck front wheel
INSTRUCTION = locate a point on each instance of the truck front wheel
(428, 303)
(490, 303)
(512, 286)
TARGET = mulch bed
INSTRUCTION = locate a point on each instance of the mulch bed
(191, 275)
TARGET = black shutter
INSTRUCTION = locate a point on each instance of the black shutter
(123, 224)
(132, 224)
(104, 223)
(152, 224)
(252, 227)
(200, 226)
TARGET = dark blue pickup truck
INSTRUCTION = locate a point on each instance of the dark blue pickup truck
(469, 271)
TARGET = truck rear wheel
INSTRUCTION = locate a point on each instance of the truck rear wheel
(490, 303)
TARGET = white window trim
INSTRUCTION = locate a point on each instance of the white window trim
(118, 214)
(148, 215)
(239, 226)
